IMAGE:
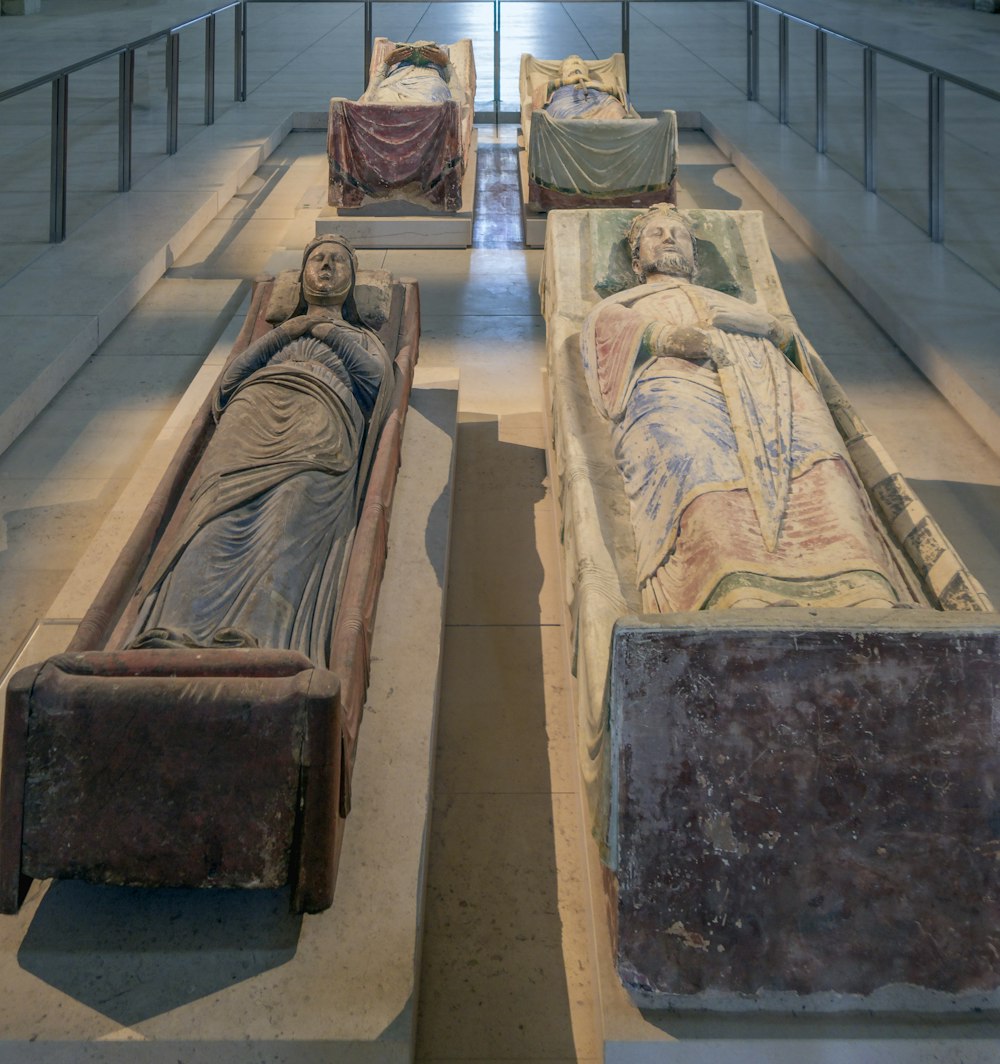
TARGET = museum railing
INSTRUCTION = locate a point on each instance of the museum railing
(59, 80)
(497, 5)
(936, 81)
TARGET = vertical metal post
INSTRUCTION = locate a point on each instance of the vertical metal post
(496, 65)
(753, 50)
(935, 157)
(210, 70)
(368, 41)
(783, 69)
(60, 144)
(871, 115)
(625, 38)
(173, 90)
(240, 53)
(821, 81)
(126, 94)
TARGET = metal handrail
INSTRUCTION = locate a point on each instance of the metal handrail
(936, 81)
(59, 80)
(497, 4)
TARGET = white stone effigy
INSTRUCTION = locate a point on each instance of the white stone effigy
(792, 797)
(586, 143)
(586, 260)
(409, 134)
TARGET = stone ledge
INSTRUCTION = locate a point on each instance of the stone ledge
(106, 267)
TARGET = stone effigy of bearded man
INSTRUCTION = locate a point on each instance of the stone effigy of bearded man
(739, 485)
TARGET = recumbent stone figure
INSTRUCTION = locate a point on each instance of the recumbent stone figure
(228, 650)
(259, 558)
(739, 485)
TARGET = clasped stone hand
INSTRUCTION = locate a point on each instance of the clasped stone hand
(308, 323)
(747, 320)
(686, 341)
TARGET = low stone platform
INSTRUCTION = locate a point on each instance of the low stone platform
(398, 223)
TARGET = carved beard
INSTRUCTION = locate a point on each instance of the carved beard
(670, 264)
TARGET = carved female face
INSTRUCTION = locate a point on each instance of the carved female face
(665, 247)
(328, 274)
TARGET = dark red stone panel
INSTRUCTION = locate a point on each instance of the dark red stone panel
(805, 807)
(190, 779)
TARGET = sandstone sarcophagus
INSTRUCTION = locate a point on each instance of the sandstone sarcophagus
(201, 728)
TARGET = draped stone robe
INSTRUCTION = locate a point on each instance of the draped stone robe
(589, 101)
(408, 83)
(261, 551)
(699, 535)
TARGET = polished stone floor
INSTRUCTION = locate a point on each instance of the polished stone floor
(507, 958)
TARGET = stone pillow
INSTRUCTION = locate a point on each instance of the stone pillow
(372, 294)
(613, 269)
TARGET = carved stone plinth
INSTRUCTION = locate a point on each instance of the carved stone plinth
(173, 768)
(806, 807)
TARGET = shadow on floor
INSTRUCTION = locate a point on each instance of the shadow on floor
(494, 974)
(132, 953)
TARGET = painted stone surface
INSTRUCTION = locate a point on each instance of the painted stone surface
(408, 136)
(259, 556)
(806, 808)
(649, 360)
(229, 742)
(712, 425)
(587, 145)
(238, 617)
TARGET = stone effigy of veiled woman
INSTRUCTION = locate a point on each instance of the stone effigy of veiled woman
(739, 486)
(259, 557)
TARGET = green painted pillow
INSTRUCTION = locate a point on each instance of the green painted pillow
(723, 263)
